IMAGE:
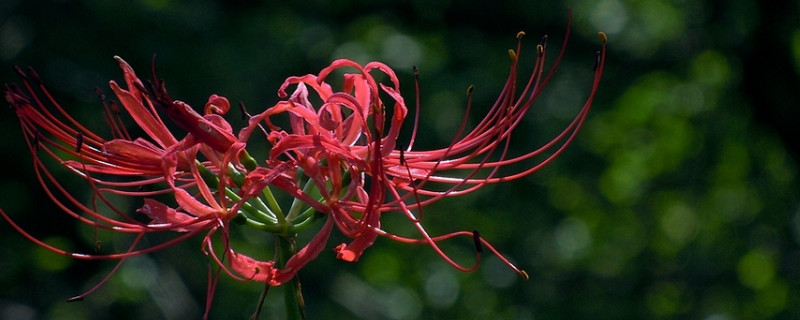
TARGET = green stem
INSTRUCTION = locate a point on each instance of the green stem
(293, 297)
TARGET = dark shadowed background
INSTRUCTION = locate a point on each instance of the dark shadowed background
(679, 199)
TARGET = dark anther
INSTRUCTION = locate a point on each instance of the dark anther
(245, 115)
(15, 96)
(140, 86)
(100, 94)
(34, 75)
(416, 72)
(477, 238)
(470, 89)
(402, 155)
(19, 71)
(162, 93)
(114, 107)
(159, 94)
(544, 41)
(596, 61)
(78, 142)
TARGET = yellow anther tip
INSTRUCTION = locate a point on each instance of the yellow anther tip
(520, 34)
(512, 55)
(603, 36)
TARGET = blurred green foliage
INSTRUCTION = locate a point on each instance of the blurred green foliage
(678, 200)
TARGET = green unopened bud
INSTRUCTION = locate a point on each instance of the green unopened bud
(248, 161)
(208, 177)
(236, 176)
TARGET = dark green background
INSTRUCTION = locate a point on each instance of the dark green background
(679, 199)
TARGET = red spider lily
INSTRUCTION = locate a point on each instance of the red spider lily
(346, 134)
(120, 166)
(209, 194)
(339, 160)
(336, 139)
(158, 164)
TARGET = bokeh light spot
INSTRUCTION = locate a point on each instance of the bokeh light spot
(51, 261)
(573, 238)
(442, 287)
(756, 269)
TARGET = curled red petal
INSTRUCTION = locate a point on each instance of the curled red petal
(208, 130)
(363, 240)
(217, 105)
(163, 214)
(252, 269)
(351, 252)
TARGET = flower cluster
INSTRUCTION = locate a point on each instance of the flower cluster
(338, 158)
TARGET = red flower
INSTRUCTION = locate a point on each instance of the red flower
(339, 160)
(210, 176)
(121, 166)
(345, 149)
(124, 166)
